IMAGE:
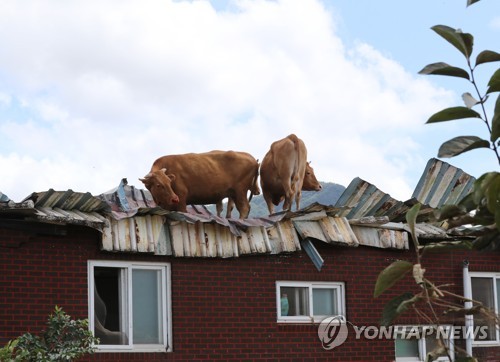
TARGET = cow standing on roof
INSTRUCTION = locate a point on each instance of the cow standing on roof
(176, 181)
(285, 172)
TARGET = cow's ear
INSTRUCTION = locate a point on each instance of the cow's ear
(146, 181)
(171, 177)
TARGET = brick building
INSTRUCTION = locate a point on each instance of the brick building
(168, 286)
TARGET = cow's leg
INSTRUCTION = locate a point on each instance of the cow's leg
(218, 207)
(269, 201)
(230, 207)
(242, 205)
(298, 195)
(289, 195)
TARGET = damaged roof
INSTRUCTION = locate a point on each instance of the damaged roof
(130, 221)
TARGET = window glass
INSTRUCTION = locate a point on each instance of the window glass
(498, 295)
(297, 299)
(146, 306)
(309, 302)
(109, 321)
(325, 302)
(482, 291)
(407, 348)
(129, 305)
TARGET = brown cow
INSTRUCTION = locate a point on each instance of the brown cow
(284, 173)
(176, 181)
(255, 190)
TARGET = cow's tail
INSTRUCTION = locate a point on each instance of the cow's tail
(254, 181)
(292, 137)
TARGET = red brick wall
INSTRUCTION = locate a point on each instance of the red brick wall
(222, 308)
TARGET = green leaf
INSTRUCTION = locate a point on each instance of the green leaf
(449, 211)
(493, 194)
(495, 122)
(487, 56)
(490, 241)
(397, 306)
(444, 69)
(453, 113)
(467, 359)
(461, 144)
(448, 245)
(470, 2)
(411, 219)
(390, 275)
(494, 83)
(462, 41)
(483, 184)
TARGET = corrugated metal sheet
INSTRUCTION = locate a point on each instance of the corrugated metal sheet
(130, 221)
(126, 201)
(68, 200)
(136, 234)
(361, 199)
(213, 240)
(442, 183)
(3, 197)
(331, 230)
(60, 207)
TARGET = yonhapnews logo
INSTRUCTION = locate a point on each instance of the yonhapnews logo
(333, 331)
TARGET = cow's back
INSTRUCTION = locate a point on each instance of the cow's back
(282, 170)
(207, 178)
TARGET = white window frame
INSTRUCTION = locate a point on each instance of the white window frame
(496, 295)
(126, 294)
(422, 347)
(338, 286)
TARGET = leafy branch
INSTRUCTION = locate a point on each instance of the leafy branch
(458, 145)
(476, 216)
(64, 339)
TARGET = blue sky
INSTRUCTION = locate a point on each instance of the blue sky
(94, 91)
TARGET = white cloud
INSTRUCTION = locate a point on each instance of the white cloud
(114, 85)
(495, 23)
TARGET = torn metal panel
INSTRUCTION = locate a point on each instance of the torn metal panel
(258, 239)
(213, 240)
(361, 199)
(313, 253)
(381, 237)
(68, 200)
(3, 197)
(287, 237)
(442, 183)
(144, 234)
(283, 238)
(332, 230)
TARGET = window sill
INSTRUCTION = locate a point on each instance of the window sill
(489, 344)
(159, 349)
(303, 321)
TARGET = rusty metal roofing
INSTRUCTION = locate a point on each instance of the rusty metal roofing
(185, 237)
(61, 207)
(3, 197)
(442, 183)
(130, 220)
(362, 199)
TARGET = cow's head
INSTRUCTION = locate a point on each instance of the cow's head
(310, 181)
(160, 186)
